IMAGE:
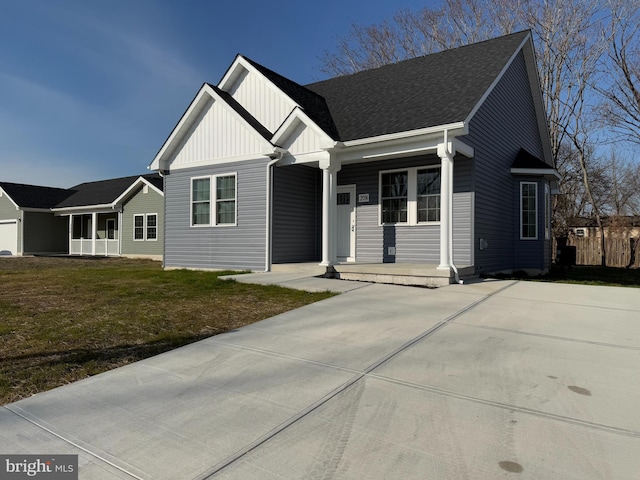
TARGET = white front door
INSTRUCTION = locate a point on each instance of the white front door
(346, 221)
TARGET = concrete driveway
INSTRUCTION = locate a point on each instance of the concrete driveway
(497, 379)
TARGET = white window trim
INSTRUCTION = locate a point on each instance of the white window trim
(199, 225)
(535, 237)
(144, 222)
(412, 196)
(145, 225)
(547, 212)
(213, 201)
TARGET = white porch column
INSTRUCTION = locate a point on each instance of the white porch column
(94, 232)
(329, 192)
(445, 152)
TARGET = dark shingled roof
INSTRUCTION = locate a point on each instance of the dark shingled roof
(427, 91)
(33, 196)
(312, 103)
(525, 159)
(104, 192)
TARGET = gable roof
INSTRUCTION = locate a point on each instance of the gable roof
(313, 104)
(105, 192)
(437, 89)
(34, 196)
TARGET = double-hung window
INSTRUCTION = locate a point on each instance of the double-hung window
(428, 195)
(528, 211)
(394, 197)
(145, 227)
(410, 196)
(214, 200)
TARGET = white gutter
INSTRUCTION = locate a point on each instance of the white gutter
(462, 126)
(277, 155)
(450, 213)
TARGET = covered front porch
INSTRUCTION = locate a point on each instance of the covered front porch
(94, 234)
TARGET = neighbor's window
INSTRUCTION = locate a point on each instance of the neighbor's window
(394, 196)
(429, 195)
(528, 210)
(226, 200)
(138, 227)
(200, 201)
(547, 212)
(410, 196)
(152, 226)
(214, 206)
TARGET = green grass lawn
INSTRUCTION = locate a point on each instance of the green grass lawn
(64, 319)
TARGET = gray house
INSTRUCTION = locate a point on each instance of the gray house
(120, 216)
(27, 225)
(441, 161)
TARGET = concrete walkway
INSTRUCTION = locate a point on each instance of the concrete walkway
(491, 380)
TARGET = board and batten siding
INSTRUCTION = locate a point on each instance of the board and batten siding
(142, 203)
(265, 102)
(415, 243)
(297, 214)
(505, 123)
(240, 247)
(202, 141)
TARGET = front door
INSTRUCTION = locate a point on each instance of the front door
(346, 221)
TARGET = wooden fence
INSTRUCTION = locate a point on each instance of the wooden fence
(619, 251)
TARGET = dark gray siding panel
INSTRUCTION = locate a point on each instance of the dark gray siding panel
(413, 244)
(505, 123)
(240, 247)
(45, 233)
(297, 217)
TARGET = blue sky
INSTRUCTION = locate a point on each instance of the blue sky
(90, 89)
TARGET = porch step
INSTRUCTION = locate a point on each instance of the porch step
(311, 268)
(422, 275)
(399, 274)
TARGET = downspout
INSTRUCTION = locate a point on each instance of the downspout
(276, 156)
(450, 213)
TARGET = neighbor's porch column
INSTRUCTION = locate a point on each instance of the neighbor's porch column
(329, 189)
(445, 152)
(94, 232)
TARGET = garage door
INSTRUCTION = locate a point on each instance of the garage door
(8, 238)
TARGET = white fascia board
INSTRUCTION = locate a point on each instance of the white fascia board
(547, 172)
(497, 79)
(454, 129)
(4, 193)
(406, 145)
(36, 210)
(137, 183)
(290, 123)
(105, 208)
(185, 122)
(233, 72)
(203, 96)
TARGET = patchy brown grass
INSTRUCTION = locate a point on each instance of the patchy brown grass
(64, 319)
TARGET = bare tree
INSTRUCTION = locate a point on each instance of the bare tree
(620, 83)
